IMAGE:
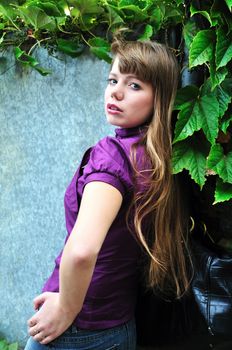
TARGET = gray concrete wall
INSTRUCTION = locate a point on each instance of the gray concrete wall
(46, 123)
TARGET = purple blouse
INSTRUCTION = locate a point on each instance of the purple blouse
(111, 296)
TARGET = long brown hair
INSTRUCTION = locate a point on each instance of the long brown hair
(159, 204)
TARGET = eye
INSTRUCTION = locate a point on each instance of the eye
(112, 81)
(135, 86)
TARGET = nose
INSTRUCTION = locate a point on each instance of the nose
(117, 93)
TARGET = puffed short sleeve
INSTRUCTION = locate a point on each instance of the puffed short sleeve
(109, 162)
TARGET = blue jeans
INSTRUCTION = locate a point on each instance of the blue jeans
(122, 337)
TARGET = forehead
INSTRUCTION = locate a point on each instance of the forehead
(116, 65)
(117, 69)
(132, 66)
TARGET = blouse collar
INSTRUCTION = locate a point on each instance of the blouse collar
(128, 132)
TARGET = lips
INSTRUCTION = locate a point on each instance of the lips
(112, 108)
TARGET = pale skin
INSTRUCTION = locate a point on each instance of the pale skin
(57, 311)
(79, 257)
(134, 98)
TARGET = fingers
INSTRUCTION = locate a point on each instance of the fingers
(46, 340)
(47, 323)
(39, 337)
(33, 331)
(40, 299)
(31, 322)
(38, 334)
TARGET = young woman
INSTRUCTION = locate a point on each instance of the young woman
(120, 202)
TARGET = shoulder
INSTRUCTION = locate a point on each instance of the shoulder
(110, 149)
(109, 161)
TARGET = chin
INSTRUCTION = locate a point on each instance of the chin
(113, 122)
(119, 122)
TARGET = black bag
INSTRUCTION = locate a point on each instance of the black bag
(212, 286)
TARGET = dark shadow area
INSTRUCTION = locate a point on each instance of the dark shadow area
(177, 324)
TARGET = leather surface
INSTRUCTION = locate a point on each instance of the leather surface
(212, 287)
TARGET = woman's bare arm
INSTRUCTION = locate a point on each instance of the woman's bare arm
(99, 206)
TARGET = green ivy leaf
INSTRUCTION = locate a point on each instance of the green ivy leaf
(220, 14)
(86, 7)
(36, 17)
(185, 125)
(202, 48)
(99, 42)
(22, 57)
(217, 76)
(87, 22)
(7, 3)
(42, 70)
(51, 8)
(132, 12)
(87, 13)
(13, 346)
(223, 48)
(226, 120)
(114, 19)
(74, 12)
(223, 192)
(220, 163)
(71, 48)
(139, 3)
(156, 18)
(223, 93)
(101, 53)
(150, 5)
(7, 9)
(215, 12)
(173, 14)
(225, 124)
(190, 30)
(3, 344)
(229, 4)
(30, 61)
(61, 4)
(194, 11)
(100, 48)
(179, 2)
(185, 95)
(201, 113)
(147, 34)
(191, 155)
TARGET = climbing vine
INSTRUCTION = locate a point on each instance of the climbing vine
(200, 32)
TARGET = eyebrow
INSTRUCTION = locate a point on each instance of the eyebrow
(130, 76)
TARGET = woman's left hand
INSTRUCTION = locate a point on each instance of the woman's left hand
(51, 320)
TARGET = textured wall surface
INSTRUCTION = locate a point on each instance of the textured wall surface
(46, 123)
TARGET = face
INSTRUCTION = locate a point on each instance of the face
(129, 102)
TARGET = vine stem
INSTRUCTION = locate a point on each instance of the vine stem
(83, 38)
(37, 44)
(63, 31)
(88, 31)
(14, 24)
(11, 28)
